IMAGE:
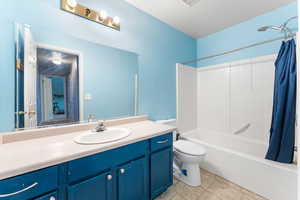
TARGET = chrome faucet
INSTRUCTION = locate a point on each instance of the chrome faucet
(100, 127)
(91, 117)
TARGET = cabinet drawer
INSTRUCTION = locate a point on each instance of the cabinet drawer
(29, 185)
(161, 142)
(52, 196)
(92, 165)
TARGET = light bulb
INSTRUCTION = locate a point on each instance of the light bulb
(57, 61)
(56, 58)
(116, 20)
(72, 3)
(103, 15)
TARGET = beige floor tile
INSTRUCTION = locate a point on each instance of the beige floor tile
(225, 189)
(209, 196)
(247, 197)
(207, 180)
(205, 172)
(178, 198)
(250, 195)
(213, 188)
(188, 192)
(260, 198)
(175, 180)
(169, 194)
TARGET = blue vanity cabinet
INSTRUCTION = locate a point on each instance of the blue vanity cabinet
(133, 180)
(90, 166)
(96, 188)
(161, 164)
(120, 173)
(138, 171)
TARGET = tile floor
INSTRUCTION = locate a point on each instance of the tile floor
(213, 188)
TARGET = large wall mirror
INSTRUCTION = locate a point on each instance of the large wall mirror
(61, 79)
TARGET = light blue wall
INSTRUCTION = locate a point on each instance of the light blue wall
(158, 45)
(244, 34)
(7, 61)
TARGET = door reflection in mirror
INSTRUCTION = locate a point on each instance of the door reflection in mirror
(53, 97)
(58, 88)
(47, 83)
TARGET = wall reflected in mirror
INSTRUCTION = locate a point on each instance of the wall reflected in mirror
(61, 79)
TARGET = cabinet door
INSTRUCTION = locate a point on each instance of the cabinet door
(161, 171)
(132, 181)
(97, 188)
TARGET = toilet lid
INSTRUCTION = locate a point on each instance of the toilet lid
(190, 148)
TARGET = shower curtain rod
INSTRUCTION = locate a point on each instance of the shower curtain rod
(241, 48)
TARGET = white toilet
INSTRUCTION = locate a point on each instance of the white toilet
(187, 158)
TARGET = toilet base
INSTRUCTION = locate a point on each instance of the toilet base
(192, 176)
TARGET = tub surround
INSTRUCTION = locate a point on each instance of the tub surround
(26, 156)
(234, 135)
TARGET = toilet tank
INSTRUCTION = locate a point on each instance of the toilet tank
(170, 122)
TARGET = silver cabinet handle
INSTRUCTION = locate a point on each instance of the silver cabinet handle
(163, 141)
(52, 198)
(122, 171)
(109, 177)
(20, 191)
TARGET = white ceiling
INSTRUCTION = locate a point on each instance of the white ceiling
(208, 16)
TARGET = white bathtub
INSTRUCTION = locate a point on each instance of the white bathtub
(241, 161)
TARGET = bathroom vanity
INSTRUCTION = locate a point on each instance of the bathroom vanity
(138, 167)
(51, 152)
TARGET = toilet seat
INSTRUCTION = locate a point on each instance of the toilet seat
(189, 148)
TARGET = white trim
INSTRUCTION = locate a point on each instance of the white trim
(81, 72)
(298, 108)
(30, 81)
(177, 91)
(58, 48)
(44, 102)
(136, 93)
(260, 59)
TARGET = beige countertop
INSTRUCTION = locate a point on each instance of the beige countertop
(25, 156)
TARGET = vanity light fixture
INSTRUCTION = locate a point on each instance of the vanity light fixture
(101, 17)
(72, 3)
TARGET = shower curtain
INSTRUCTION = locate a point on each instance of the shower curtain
(282, 132)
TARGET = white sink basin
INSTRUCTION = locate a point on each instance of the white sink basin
(109, 135)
